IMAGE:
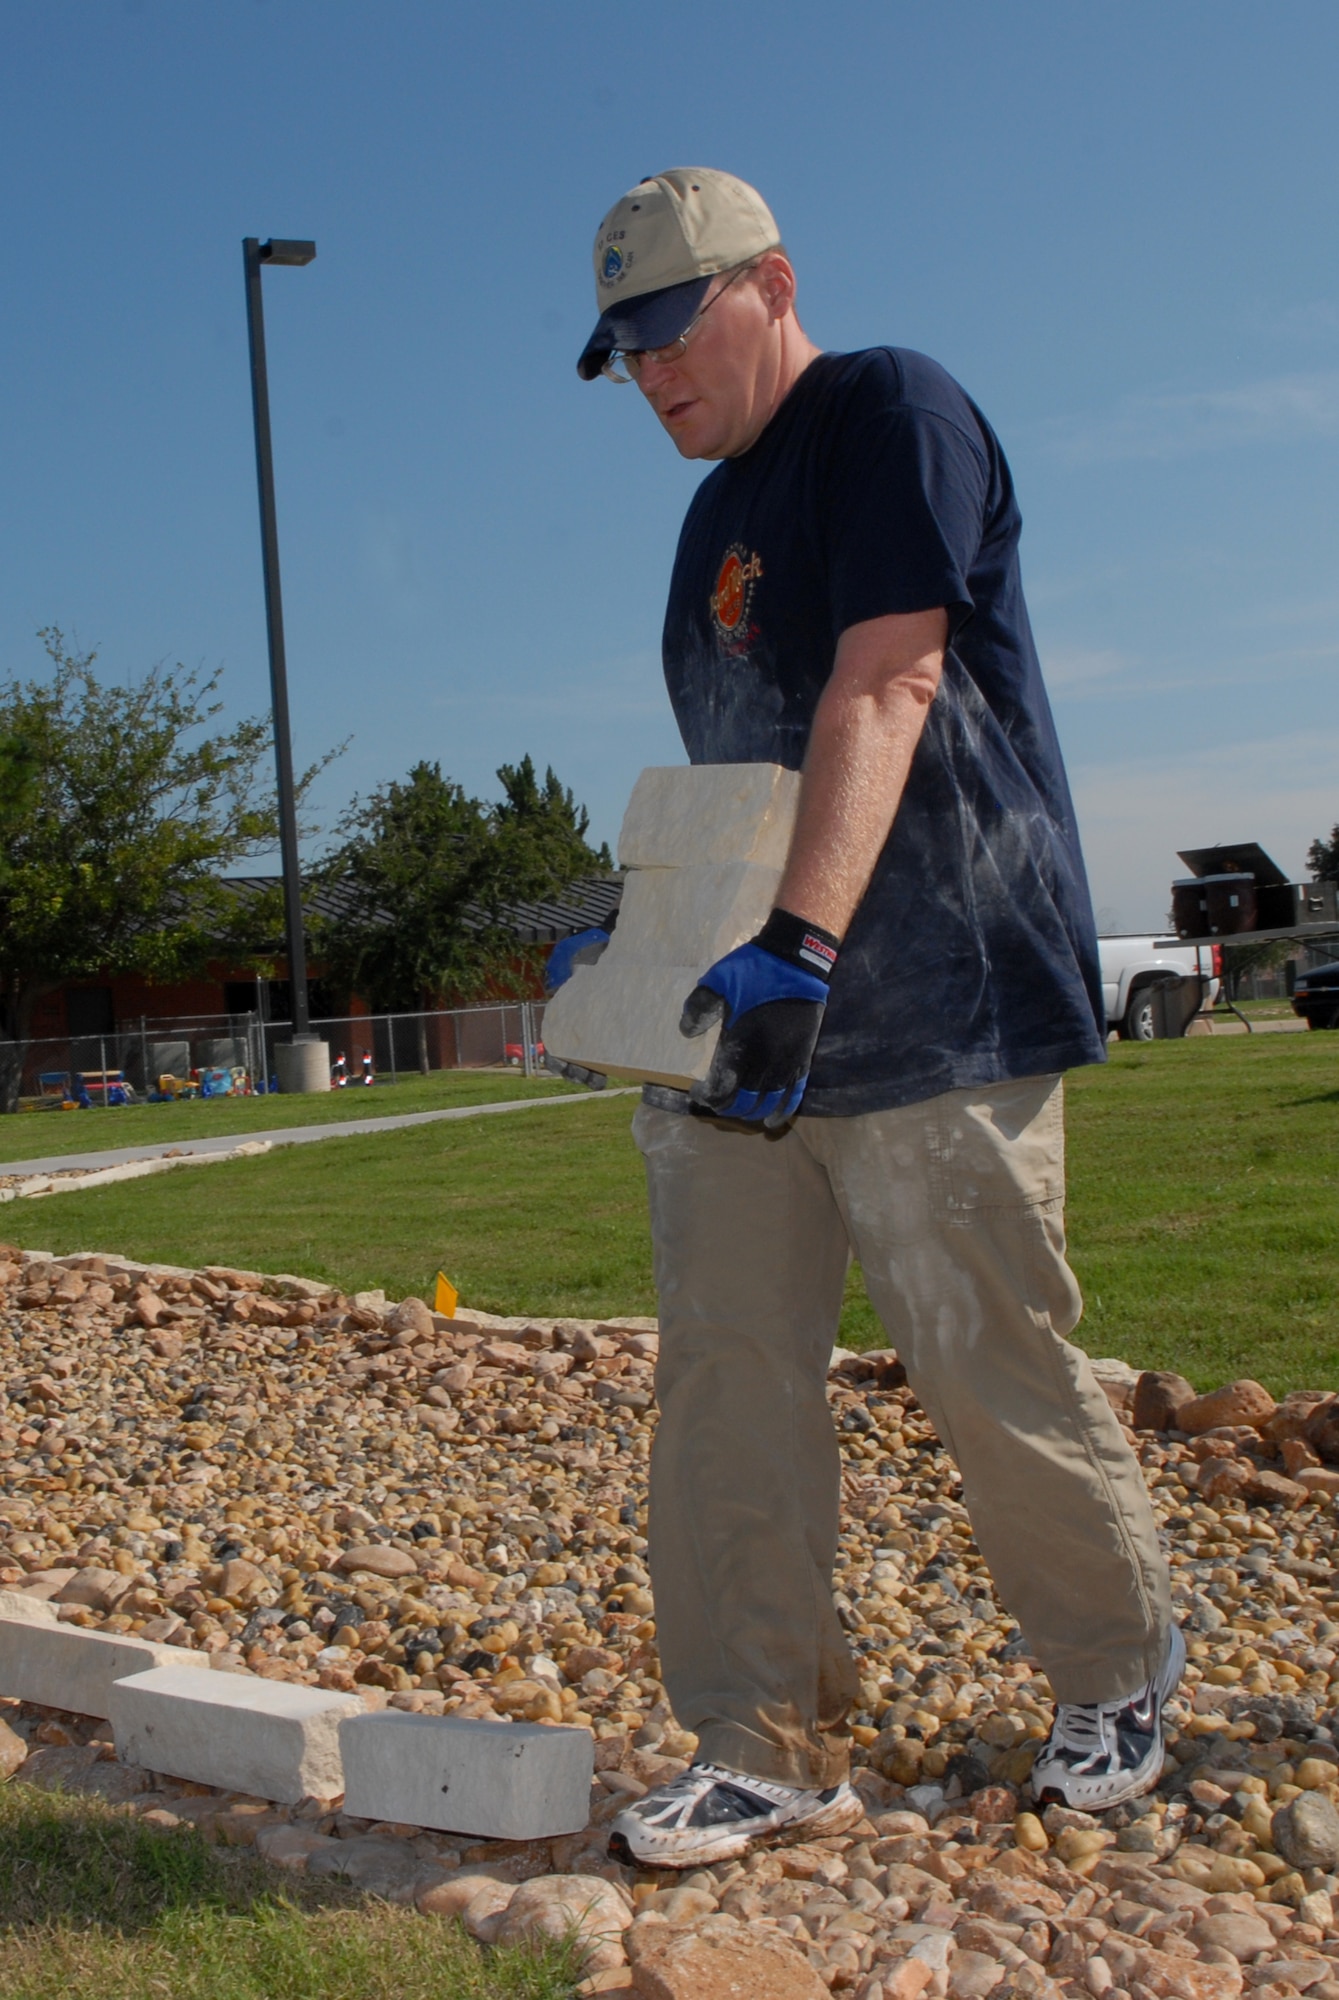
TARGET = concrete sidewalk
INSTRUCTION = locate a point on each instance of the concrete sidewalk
(289, 1135)
(1232, 1025)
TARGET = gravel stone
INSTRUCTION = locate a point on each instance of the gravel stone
(1306, 1831)
(448, 1517)
(1245, 1937)
(13, 1750)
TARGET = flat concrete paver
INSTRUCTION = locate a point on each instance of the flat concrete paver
(291, 1135)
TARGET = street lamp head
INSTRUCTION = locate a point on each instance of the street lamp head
(287, 250)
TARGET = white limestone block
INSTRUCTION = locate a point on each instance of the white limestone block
(494, 1780)
(624, 1022)
(690, 916)
(686, 815)
(69, 1668)
(704, 846)
(270, 1738)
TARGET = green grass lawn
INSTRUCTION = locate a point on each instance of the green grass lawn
(1204, 1207)
(94, 1906)
(1204, 1211)
(542, 1212)
(38, 1135)
(1277, 1009)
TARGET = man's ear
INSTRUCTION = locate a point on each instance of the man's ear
(776, 282)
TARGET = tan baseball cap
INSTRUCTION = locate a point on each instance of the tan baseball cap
(658, 249)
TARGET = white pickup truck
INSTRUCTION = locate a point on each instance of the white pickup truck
(1133, 967)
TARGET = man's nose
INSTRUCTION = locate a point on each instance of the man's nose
(653, 374)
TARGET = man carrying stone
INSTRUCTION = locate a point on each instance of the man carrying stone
(846, 601)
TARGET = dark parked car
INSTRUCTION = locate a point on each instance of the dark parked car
(1316, 996)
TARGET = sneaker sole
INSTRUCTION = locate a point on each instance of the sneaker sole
(1132, 1785)
(1146, 1775)
(729, 1845)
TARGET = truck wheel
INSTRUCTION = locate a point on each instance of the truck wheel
(1137, 1024)
(1323, 1020)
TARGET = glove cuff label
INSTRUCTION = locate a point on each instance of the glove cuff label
(790, 937)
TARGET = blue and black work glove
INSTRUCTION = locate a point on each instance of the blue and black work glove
(581, 948)
(769, 996)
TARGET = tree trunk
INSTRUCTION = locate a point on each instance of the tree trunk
(16, 1014)
(11, 1074)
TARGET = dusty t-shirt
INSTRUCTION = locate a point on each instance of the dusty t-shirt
(879, 487)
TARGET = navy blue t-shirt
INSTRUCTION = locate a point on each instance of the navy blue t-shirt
(879, 487)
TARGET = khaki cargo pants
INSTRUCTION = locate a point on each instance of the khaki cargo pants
(955, 1209)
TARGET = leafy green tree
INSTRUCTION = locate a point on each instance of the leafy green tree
(1240, 960)
(119, 809)
(541, 835)
(1323, 857)
(424, 874)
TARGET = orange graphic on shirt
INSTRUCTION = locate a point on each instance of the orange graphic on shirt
(734, 588)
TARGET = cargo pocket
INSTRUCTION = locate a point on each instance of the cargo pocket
(999, 1177)
(1053, 1290)
(1002, 1147)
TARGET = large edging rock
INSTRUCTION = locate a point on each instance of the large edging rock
(724, 1962)
(1158, 1395)
(1243, 1402)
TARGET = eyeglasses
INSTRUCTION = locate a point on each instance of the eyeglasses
(632, 358)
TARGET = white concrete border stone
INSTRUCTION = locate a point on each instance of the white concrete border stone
(494, 1780)
(243, 1734)
(64, 1667)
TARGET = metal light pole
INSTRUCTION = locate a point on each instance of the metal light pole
(254, 254)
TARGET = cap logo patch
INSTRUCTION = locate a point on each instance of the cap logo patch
(734, 590)
(613, 263)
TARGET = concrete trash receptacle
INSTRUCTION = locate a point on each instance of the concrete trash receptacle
(302, 1066)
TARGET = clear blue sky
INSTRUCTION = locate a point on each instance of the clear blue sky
(1115, 224)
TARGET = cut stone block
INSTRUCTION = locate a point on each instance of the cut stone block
(683, 816)
(704, 846)
(690, 916)
(624, 1022)
(67, 1668)
(239, 1732)
(494, 1780)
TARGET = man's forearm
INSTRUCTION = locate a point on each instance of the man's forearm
(865, 731)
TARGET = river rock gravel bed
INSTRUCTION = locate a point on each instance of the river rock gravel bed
(449, 1516)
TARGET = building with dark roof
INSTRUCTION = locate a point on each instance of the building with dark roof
(114, 1002)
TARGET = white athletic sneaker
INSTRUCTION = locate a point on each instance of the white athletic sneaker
(709, 1813)
(1101, 1753)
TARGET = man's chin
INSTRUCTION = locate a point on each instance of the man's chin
(692, 441)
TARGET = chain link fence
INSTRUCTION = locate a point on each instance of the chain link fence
(233, 1054)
